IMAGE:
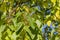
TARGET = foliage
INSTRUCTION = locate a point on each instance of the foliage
(29, 19)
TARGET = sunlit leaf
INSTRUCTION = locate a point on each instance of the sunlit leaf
(48, 23)
(38, 23)
(53, 1)
(7, 38)
(58, 14)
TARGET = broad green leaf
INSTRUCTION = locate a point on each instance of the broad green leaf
(7, 38)
(58, 14)
(48, 23)
(53, 1)
(38, 23)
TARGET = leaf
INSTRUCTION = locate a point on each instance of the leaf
(2, 27)
(48, 23)
(7, 38)
(58, 14)
(53, 1)
(19, 29)
(9, 32)
(13, 36)
(4, 15)
(38, 23)
(0, 35)
(18, 14)
(29, 33)
(26, 9)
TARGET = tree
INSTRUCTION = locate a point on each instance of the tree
(29, 19)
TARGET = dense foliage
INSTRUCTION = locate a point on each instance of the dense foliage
(29, 19)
